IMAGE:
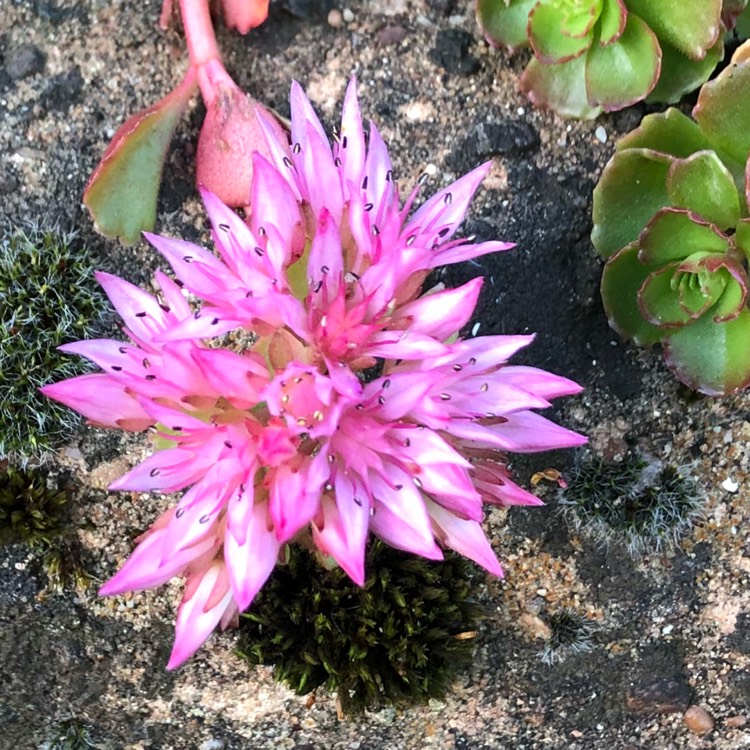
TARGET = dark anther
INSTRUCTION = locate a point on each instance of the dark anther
(154, 473)
(368, 206)
(140, 315)
(364, 183)
(150, 377)
(187, 258)
(116, 368)
(448, 199)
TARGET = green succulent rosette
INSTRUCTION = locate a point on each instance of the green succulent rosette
(671, 218)
(602, 55)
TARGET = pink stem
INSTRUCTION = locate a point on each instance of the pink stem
(203, 50)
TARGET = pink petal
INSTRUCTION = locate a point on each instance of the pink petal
(325, 269)
(196, 620)
(102, 400)
(441, 314)
(527, 432)
(438, 218)
(465, 537)
(303, 115)
(251, 549)
(344, 532)
(351, 148)
(461, 253)
(540, 382)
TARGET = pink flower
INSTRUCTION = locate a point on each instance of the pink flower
(281, 436)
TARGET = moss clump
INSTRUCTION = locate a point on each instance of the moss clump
(399, 639)
(70, 734)
(49, 297)
(30, 511)
(644, 505)
(570, 633)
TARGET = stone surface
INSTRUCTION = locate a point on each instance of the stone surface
(664, 695)
(24, 61)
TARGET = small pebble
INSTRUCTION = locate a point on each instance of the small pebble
(733, 722)
(730, 485)
(601, 134)
(698, 720)
(335, 19)
(348, 15)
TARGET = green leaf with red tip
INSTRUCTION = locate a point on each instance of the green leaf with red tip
(612, 21)
(680, 74)
(622, 279)
(505, 22)
(659, 300)
(556, 34)
(670, 132)
(732, 302)
(560, 87)
(723, 110)
(713, 358)
(675, 234)
(692, 26)
(730, 12)
(714, 274)
(701, 183)
(625, 71)
(631, 190)
(122, 191)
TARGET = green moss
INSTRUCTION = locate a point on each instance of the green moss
(49, 297)
(70, 734)
(647, 506)
(31, 512)
(399, 639)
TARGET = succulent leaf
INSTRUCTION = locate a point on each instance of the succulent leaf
(660, 299)
(692, 26)
(122, 191)
(723, 110)
(560, 87)
(635, 179)
(612, 21)
(623, 277)
(741, 237)
(680, 74)
(670, 132)
(701, 183)
(505, 22)
(557, 34)
(625, 71)
(711, 357)
(675, 234)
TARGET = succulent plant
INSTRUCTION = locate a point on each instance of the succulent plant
(670, 216)
(645, 505)
(31, 512)
(48, 298)
(70, 734)
(595, 55)
(399, 639)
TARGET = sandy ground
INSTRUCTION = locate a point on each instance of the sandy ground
(669, 630)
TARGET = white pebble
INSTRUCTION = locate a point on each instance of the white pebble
(348, 15)
(730, 485)
(475, 329)
(601, 134)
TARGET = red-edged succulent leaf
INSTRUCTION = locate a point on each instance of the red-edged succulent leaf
(731, 10)
(692, 26)
(122, 191)
(674, 234)
(670, 132)
(713, 358)
(680, 74)
(704, 185)
(505, 22)
(558, 33)
(625, 71)
(244, 15)
(660, 300)
(612, 21)
(721, 278)
(622, 279)
(723, 109)
(559, 87)
(631, 190)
